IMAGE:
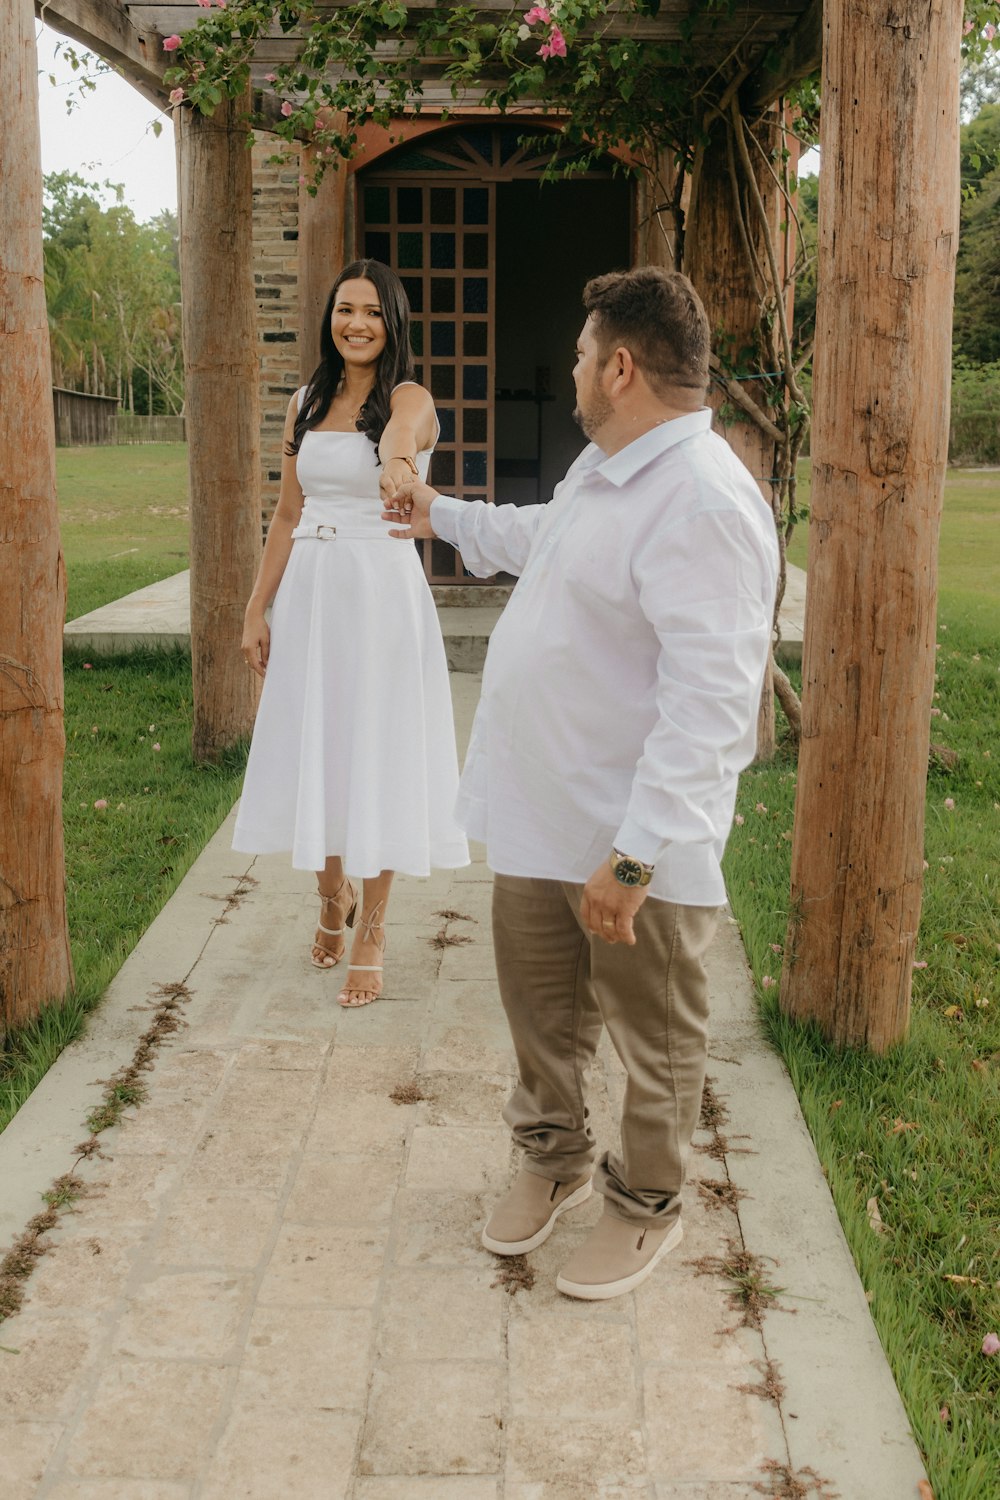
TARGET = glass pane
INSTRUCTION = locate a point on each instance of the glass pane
(377, 205)
(444, 560)
(477, 248)
(510, 141)
(446, 417)
(474, 424)
(418, 374)
(409, 205)
(417, 337)
(413, 286)
(474, 337)
(475, 293)
(410, 249)
(443, 468)
(442, 251)
(442, 205)
(443, 387)
(443, 339)
(442, 295)
(473, 468)
(481, 141)
(377, 246)
(476, 205)
(474, 383)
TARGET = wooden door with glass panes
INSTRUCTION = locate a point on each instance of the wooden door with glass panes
(438, 237)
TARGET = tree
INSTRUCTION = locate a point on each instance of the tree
(977, 278)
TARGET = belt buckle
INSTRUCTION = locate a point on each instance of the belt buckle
(326, 532)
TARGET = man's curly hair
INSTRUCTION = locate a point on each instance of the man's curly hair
(658, 317)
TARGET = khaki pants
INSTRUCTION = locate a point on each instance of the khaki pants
(559, 985)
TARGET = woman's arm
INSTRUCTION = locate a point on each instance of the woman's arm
(410, 430)
(256, 633)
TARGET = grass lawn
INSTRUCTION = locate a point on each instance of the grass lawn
(123, 515)
(919, 1131)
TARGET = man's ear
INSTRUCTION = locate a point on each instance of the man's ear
(623, 367)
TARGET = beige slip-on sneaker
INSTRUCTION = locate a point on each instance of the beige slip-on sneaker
(615, 1257)
(525, 1216)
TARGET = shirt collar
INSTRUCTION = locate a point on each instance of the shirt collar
(626, 463)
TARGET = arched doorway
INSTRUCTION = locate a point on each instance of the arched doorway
(493, 260)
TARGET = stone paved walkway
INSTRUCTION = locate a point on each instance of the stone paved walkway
(275, 1288)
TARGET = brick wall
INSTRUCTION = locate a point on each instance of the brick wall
(275, 249)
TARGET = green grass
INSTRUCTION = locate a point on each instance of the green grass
(125, 860)
(123, 517)
(919, 1130)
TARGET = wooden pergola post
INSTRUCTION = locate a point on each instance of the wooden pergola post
(888, 225)
(35, 965)
(716, 261)
(223, 414)
(321, 253)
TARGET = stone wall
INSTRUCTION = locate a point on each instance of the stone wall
(276, 278)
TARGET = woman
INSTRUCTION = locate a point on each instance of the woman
(353, 764)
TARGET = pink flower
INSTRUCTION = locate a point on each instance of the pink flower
(775, 947)
(767, 982)
(949, 803)
(760, 807)
(302, 179)
(991, 1344)
(171, 43)
(967, 28)
(157, 745)
(537, 13)
(286, 109)
(935, 713)
(555, 46)
(270, 77)
(88, 666)
(205, 4)
(101, 804)
(739, 820)
(920, 963)
(989, 31)
(176, 96)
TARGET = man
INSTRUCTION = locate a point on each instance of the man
(619, 704)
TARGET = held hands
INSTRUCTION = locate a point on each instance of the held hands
(256, 643)
(411, 504)
(608, 906)
(393, 473)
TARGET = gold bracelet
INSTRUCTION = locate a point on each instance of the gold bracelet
(404, 460)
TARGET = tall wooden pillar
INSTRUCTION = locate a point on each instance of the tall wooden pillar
(888, 223)
(35, 964)
(655, 231)
(223, 414)
(321, 253)
(716, 260)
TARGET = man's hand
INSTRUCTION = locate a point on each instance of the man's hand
(608, 906)
(412, 504)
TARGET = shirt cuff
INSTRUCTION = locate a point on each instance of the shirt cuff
(639, 843)
(445, 510)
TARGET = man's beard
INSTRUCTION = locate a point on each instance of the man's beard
(599, 409)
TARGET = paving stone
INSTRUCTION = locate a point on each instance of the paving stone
(698, 1491)
(266, 1453)
(344, 1190)
(188, 1072)
(241, 1157)
(212, 1228)
(160, 1127)
(680, 1315)
(433, 1418)
(83, 1272)
(359, 1122)
(556, 1365)
(436, 1487)
(370, 1070)
(467, 1049)
(321, 1265)
(458, 1158)
(610, 1489)
(40, 1382)
(440, 1229)
(25, 1450)
(303, 1358)
(127, 1190)
(148, 1419)
(470, 960)
(271, 1055)
(184, 1315)
(467, 1002)
(424, 1315)
(118, 1489)
(581, 1453)
(711, 1404)
(462, 1098)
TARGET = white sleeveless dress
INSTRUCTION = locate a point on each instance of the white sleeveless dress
(353, 749)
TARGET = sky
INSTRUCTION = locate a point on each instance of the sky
(107, 136)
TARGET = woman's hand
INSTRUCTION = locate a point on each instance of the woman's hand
(256, 643)
(412, 505)
(395, 472)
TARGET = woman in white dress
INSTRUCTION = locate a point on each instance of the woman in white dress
(353, 765)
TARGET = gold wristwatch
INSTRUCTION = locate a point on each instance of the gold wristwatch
(629, 871)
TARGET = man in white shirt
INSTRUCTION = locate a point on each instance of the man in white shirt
(619, 704)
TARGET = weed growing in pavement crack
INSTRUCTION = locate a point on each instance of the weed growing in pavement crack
(784, 1484)
(407, 1093)
(514, 1274)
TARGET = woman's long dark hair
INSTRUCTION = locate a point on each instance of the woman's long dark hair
(395, 363)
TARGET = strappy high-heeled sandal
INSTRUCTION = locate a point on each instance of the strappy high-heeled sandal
(334, 931)
(367, 928)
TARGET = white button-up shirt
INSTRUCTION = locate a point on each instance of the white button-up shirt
(621, 686)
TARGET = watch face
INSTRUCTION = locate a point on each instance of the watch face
(628, 871)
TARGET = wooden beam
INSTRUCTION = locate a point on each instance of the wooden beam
(35, 966)
(800, 54)
(321, 254)
(214, 194)
(888, 231)
(105, 28)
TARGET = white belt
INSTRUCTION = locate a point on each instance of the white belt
(323, 532)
